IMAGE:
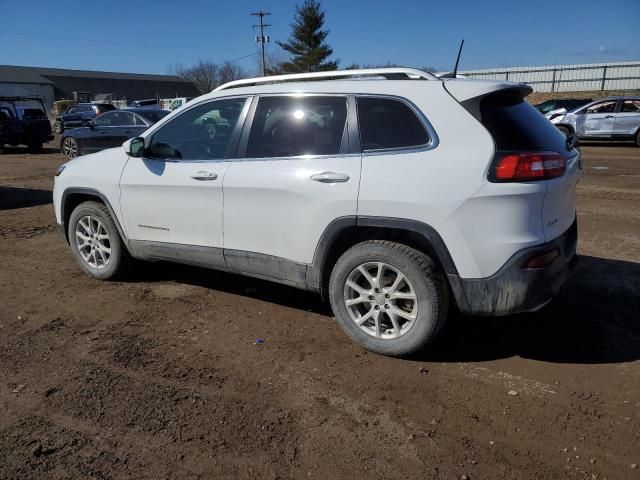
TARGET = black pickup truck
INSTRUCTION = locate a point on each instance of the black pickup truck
(23, 121)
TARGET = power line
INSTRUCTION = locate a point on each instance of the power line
(262, 39)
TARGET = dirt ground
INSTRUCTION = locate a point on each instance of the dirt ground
(160, 376)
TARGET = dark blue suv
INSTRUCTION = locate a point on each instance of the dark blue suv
(79, 114)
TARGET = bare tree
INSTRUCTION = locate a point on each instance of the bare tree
(203, 74)
(230, 71)
(207, 75)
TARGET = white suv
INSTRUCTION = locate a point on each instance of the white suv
(394, 193)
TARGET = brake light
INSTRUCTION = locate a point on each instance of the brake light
(524, 167)
(98, 112)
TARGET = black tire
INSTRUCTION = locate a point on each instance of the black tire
(58, 127)
(638, 138)
(429, 287)
(119, 259)
(35, 147)
(565, 131)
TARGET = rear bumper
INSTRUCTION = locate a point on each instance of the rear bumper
(513, 289)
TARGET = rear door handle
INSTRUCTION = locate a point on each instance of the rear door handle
(609, 116)
(330, 177)
(204, 176)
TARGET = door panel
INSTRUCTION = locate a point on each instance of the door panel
(161, 201)
(174, 195)
(597, 120)
(627, 119)
(273, 207)
(296, 179)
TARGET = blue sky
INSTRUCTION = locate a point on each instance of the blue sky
(148, 36)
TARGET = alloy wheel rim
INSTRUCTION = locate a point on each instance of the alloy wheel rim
(93, 242)
(70, 148)
(380, 300)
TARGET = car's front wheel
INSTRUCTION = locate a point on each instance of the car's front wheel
(564, 130)
(95, 241)
(390, 298)
(70, 148)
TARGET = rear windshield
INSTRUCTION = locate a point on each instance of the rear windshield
(153, 115)
(32, 113)
(105, 107)
(515, 125)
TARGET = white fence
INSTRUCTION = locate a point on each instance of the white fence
(568, 78)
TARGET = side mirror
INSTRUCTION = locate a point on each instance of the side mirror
(87, 123)
(136, 147)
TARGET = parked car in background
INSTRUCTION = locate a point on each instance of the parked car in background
(23, 121)
(78, 114)
(149, 103)
(613, 118)
(108, 130)
(360, 190)
(178, 102)
(547, 108)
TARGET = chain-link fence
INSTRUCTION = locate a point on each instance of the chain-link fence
(568, 78)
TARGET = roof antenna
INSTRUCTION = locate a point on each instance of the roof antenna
(454, 74)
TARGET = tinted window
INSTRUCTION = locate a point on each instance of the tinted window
(388, 123)
(631, 106)
(72, 110)
(154, 115)
(104, 120)
(105, 107)
(288, 126)
(515, 125)
(201, 133)
(121, 119)
(140, 122)
(85, 108)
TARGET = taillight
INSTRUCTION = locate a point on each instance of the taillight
(98, 112)
(528, 166)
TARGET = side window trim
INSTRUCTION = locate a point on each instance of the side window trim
(232, 148)
(345, 144)
(433, 137)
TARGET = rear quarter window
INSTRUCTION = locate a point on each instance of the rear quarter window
(388, 123)
(516, 125)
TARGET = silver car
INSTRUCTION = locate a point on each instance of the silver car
(613, 118)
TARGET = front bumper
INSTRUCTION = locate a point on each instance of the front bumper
(513, 289)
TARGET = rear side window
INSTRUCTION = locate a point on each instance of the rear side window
(630, 106)
(290, 126)
(516, 125)
(387, 123)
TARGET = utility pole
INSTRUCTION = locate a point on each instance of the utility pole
(262, 39)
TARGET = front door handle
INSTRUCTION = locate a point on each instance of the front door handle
(330, 177)
(609, 116)
(205, 176)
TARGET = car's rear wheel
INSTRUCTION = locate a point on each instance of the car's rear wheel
(70, 148)
(95, 241)
(390, 298)
(58, 127)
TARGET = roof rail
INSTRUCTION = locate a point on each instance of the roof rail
(387, 73)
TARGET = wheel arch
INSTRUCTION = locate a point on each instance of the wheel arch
(343, 233)
(74, 196)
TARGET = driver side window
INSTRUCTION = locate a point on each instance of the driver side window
(603, 107)
(201, 133)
